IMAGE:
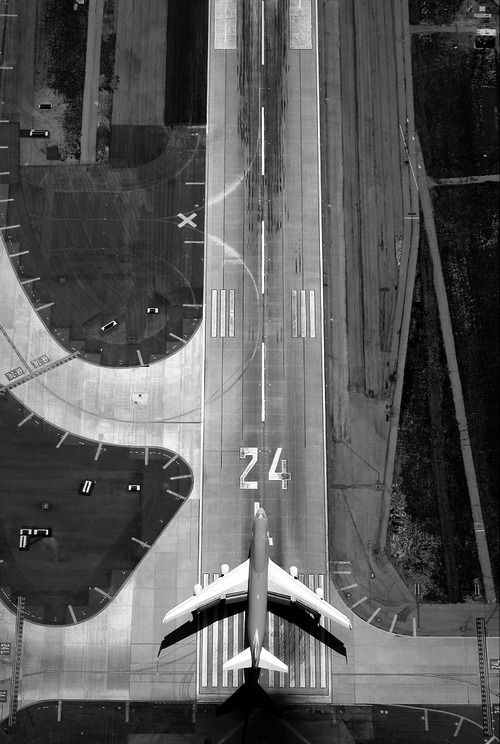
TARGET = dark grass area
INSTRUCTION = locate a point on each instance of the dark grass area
(453, 117)
(438, 517)
(135, 145)
(106, 245)
(187, 49)
(195, 723)
(434, 11)
(90, 544)
(467, 225)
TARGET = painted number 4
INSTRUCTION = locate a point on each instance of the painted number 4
(274, 474)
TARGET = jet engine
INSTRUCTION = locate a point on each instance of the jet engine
(294, 572)
(224, 569)
(197, 588)
(320, 593)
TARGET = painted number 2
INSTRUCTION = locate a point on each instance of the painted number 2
(274, 474)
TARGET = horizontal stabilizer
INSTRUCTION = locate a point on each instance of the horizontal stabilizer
(242, 660)
(268, 661)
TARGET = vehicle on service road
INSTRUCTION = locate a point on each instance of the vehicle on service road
(109, 326)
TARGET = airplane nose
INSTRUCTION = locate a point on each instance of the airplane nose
(260, 514)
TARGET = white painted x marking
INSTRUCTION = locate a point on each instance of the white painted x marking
(186, 220)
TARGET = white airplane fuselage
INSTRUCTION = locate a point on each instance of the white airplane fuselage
(258, 586)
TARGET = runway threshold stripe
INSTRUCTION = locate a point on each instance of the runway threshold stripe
(303, 314)
(215, 646)
(312, 647)
(231, 313)
(312, 314)
(294, 314)
(204, 646)
(223, 313)
(225, 645)
(214, 312)
(270, 635)
(322, 650)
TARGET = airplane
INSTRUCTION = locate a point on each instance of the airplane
(256, 586)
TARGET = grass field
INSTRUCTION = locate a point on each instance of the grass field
(91, 541)
(106, 244)
(452, 115)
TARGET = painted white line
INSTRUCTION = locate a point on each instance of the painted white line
(393, 623)
(263, 383)
(180, 477)
(373, 615)
(223, 313)
(72, 613)
(102, 592)
(345, 588)
(62, 439)
(262, 145)
(204, 646)
(3, 201)
(195, 183)
(360, 601)
(141, 360)
(262, 257)
(425, 718)
(270, 636)
(177, 338)
(177, 495)
(98, 451)
(312, 647)
(235, 647)
(312, 314)
(231, 313)
(213, 330)
(146, 455)
(198, 242)
(303, 313)
(225, 641)
(9, 227)
(295, 318)
(172, 460)
(215, 646)
(25, 419)
(19, 253)
(341, 572)
(322, 649)
(458, 727)
(414, 621)
(262, 55)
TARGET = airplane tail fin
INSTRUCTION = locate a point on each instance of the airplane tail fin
(268, 661)
(242, 660)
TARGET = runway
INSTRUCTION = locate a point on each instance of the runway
(262, 407)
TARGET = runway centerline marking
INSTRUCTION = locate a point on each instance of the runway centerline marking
(262, 145)
(263, 383)
(262, 56)
(262, 260)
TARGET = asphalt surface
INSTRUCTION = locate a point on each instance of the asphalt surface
(264, 385)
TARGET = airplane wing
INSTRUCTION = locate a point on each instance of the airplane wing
(282, 584)
(233, 583)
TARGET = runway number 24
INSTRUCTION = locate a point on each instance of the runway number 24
(274, 474)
